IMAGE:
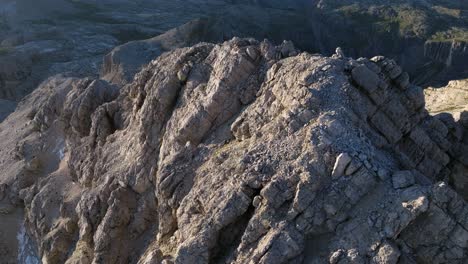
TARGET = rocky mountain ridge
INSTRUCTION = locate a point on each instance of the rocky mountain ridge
(239, 152)
(428, 38)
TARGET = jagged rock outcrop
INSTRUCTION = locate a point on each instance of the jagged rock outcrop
(240, 152)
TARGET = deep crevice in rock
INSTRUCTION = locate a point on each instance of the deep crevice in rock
(230, 236)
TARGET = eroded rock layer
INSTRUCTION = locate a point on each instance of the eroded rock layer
(241, 152)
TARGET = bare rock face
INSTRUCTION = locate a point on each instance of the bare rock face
(450, 104)
(241, 152)
(452, 98)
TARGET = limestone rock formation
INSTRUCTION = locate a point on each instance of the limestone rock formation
(452, 98)
(240, 152)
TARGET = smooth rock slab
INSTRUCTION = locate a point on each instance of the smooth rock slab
(341, 163)
(365, 78)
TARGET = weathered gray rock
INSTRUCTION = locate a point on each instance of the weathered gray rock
(365, 78)
(387, 253)
(339, 52)
(341, 164)
(287, 49)
(232, 163)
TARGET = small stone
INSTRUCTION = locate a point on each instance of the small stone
(336, 256)
(252, 52)
(181, 76)
(340, 165)
(402, 179)
(353, 256)
(257, 201)
(377, 58)
(122, 184)
(326, 67)
(387, 253)
(339, 52)
(288, 49)
(418, 205)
